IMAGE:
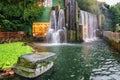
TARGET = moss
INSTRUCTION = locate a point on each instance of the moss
(10, 52)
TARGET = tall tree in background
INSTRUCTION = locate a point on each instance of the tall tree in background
(115, 12)
(89, 5)
(15, 15)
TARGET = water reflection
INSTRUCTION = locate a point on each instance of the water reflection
(86, 61)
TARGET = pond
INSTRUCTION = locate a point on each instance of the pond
(85, 61)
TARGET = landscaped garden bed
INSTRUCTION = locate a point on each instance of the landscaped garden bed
(9, 53)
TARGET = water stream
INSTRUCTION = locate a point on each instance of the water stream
(90, 25)
(57, 31)
(86, 61)
(91, 60)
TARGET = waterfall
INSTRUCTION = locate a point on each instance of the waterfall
(90, 25)
(57, 31)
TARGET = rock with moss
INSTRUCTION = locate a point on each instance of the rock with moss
(33, 65)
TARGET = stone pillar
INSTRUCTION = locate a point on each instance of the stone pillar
(71, 12)
(67, 18)
(99, 21)
(100, 32)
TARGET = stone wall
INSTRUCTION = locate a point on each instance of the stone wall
(12, 36)
(113, 38)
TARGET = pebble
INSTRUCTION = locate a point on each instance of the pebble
(72, 75)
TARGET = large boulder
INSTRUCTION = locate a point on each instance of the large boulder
(33, 65)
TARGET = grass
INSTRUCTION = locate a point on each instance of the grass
(10, 52)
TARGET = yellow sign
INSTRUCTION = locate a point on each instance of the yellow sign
(40, 28)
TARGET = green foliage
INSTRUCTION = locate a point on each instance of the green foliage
(31, 13)
(115, 12)
(61, 3)
(107, 6)
(46, 15)
(53, 7)
(106, 18)
(2, 17)
(89, 5)
(55, 3)
(7, 25)
(118, 31)
(9, 53)
(17, 14)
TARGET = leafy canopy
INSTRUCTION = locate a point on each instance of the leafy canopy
(89, 5)
(115, 12)
(16, 14)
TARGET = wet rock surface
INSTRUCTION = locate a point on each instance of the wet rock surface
(33, 65)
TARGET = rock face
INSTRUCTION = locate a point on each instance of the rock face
(33, 65)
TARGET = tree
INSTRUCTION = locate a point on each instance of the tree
(15, 15)
(106, 5)
(89, 5)
(115, 12)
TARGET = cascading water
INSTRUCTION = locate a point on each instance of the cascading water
(57, 31)
(90, 25)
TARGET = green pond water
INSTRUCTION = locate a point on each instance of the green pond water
(85, 61)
